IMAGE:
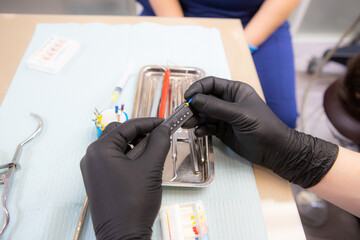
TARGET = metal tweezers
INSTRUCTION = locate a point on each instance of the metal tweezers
(5, 177)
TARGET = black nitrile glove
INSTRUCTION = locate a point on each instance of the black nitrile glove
(239, 117)
(125, 195)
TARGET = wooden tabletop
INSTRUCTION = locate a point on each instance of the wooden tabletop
(278, 205)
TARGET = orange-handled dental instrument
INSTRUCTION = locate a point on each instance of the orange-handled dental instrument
(164, 94)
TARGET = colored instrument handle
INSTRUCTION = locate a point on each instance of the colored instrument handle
(164, 94)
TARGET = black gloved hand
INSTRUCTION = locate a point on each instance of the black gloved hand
(239, 117)
(125, 195)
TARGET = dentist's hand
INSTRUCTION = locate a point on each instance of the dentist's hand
(125, 195)
(233, 112)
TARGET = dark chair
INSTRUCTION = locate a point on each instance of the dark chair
(341, 119)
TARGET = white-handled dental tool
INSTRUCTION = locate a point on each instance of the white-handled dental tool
(124, 78)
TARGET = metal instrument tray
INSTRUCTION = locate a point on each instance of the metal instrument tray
(190, 161)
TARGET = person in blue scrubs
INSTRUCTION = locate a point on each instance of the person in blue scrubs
(267, 33)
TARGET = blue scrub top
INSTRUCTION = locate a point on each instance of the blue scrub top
(213, 8)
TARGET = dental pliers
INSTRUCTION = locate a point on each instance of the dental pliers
(5, 177)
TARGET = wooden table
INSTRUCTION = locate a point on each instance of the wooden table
(280, 213)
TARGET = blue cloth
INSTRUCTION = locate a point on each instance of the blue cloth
(274, 60)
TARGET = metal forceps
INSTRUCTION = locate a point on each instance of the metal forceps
(5, 177)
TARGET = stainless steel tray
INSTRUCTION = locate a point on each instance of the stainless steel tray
(190, 161)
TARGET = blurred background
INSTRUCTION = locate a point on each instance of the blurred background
(319, 19)
(316, 27)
